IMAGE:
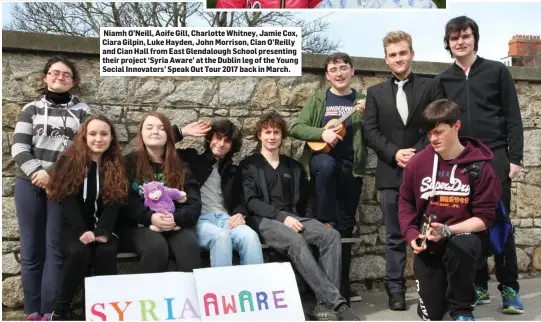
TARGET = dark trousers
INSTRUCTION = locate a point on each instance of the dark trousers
(323, 276)
(395, 246)
(78, 258)
(337, 198)
(154, 248)
(445, 279)
(40, 222)
(505, 263)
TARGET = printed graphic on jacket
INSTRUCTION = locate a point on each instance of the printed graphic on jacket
(448, 189)
(43, 131)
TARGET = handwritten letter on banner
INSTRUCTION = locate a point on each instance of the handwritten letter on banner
(247, 292)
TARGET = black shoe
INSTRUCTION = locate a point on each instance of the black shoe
(345, 313)
(397, 301)
(59, 317)
(68, 316)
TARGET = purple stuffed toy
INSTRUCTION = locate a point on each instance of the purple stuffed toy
(161, 199)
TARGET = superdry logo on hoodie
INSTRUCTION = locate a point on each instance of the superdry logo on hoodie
(431, 187)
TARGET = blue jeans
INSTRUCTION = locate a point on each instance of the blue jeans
(40, 222)
(214, 234)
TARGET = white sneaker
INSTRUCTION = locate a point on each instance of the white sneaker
(355, 297)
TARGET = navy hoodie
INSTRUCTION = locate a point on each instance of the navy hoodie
(451, 189)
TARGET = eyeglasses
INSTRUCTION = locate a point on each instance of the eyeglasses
(56, 73)
(343, 69)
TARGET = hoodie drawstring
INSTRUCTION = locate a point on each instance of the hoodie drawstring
(45, 121)
(85, 191)
(434, 172)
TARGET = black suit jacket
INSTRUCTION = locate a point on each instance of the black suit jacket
(385, 132)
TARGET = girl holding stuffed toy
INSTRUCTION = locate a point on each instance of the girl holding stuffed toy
(89, 182)
(165, 219)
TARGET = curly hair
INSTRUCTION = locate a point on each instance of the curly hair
(271, 119)
(173, 167)
(71, 168)
(228, 129)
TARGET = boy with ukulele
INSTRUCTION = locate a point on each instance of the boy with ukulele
(336, 175)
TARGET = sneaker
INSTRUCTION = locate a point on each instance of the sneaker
(464, 318)
(34, 317)
(345, 313)
(47, 317)
(511, 301)
(322, 313)
(355, 296)
(481, 295)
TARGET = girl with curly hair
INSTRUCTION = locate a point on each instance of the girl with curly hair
(45, 128)
(90, 184)
(156, 159)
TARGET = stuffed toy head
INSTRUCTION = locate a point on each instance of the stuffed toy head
(157, 197)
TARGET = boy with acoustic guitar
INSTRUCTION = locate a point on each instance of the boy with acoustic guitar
(336, 164)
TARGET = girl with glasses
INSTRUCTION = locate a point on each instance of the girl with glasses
(46, 127)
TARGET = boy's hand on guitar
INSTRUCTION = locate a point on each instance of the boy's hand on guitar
(330, 137)
(417, 244)
(359, 105)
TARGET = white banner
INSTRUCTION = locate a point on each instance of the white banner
(242, 293)
(249, 293)
(141, 297)
(232, 51)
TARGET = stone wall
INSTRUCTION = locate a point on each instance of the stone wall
(242, 99)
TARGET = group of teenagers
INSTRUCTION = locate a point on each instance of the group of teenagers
(79, 200)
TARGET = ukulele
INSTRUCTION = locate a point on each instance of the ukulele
(338, 126)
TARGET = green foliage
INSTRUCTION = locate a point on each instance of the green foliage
(439, 3)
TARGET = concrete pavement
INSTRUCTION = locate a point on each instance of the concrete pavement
(374, 305)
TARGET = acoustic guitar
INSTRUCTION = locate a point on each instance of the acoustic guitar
(338, 126)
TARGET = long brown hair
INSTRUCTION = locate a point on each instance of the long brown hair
(173, 167)
(70, 169)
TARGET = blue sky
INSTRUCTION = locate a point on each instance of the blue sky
(360, 32)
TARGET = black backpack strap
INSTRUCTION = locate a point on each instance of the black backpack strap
(474, 172)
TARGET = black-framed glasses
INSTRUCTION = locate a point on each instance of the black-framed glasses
(56, 73)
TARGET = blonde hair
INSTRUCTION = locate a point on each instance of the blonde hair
(393, 37)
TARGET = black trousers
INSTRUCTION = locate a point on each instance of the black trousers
(337, 198)
(78, 258)
(154, 248)
(445, 280)
(505, 263)
(395, 246)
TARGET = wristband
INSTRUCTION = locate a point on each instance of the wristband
(446, 231)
